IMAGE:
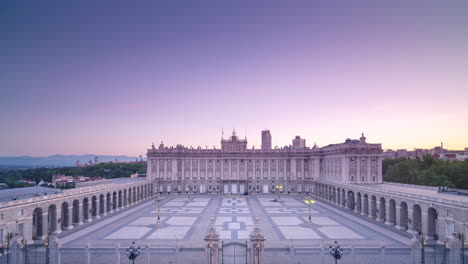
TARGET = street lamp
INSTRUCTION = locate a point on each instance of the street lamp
(210, 245)
(310, 202)
(336, 252)
(279, 187)
(133, 252)
(158, 200)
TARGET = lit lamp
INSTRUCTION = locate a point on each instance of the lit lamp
(310, 202)
(158, 200)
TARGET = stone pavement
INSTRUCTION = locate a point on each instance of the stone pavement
(184, 222)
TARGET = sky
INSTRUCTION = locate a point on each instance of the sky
(111, 77)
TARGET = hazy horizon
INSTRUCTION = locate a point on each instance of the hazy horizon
(95, 77)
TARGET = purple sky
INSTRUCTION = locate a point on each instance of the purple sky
(111, 78)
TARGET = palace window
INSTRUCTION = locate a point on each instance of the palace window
(450, 228)
(1, 236)
(373, 178)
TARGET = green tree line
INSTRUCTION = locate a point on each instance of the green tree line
(104, 170)
(427, 171)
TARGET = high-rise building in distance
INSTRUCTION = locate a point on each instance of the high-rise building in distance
(266, 140)
(298, 142)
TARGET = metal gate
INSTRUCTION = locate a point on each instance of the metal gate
(35, 254)
(234, 253)
(435, 254)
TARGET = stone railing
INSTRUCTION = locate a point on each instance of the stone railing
(462, 202)
(70, 192)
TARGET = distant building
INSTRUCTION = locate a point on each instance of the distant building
(298, 143)
(78, 164)
(96, 160)
(402, 153)
(266, 140)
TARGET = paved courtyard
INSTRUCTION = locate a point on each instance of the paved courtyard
(185, 221)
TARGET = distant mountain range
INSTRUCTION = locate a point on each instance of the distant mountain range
(58, 160)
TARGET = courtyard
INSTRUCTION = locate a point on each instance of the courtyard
(185, 220)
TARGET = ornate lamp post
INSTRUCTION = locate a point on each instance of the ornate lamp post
(210, 245)
(336, 251)
(278, 188)
(158, 200)
(310, 202)
(46, 244)
(133, 252)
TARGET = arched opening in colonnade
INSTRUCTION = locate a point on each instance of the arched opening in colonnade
(130, 196)
(120, 199)
(125, 199)
(86, 209)
(382, 210)
(76, 213)
(343, 198)
(338, 195)
(432, 223)
(114, 200)
(52, 218)
(108, 202)
(366, 204)
(392, 212)
(417, 224)
(359, 203)
(65, 217)
(334, 195)
(403, 216)
(94, 210)
(373, 207)
(37, 224)
(350, 200)
(134, 198)
(101, 204)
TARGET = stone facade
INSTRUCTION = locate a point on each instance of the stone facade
(236, 169)
(34, 218)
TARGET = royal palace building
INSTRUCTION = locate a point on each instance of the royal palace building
(234, 168)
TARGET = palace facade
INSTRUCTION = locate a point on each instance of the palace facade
(234, 168)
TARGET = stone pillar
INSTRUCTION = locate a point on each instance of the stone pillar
(387, 214)
(88, 252)
(425, 225)
(292, 252)
(15, 250)
(148, 254)
(416, 251)
(54, 250)
(212, 245)
(454, 244)
(398, 224)
(257, 244)
(117, 251)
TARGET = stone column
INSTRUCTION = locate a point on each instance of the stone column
(15, 250)
(257, 244)
(399, 225)
(454, 244)
(212, 245)
(387, 214)
(88, 252)
(416, 251)
(425, 225)
(117, 251)
(148, 253)
(54, 250)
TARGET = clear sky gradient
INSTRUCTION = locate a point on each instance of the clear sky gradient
(111, 77)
